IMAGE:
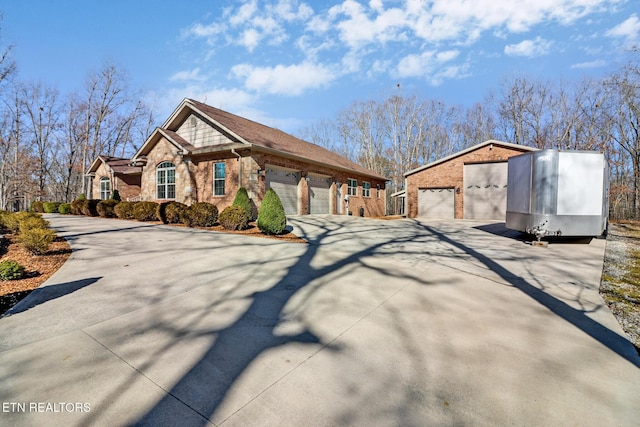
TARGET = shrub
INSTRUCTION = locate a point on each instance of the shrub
(145, 211)
(105, 208)
(242, 199)
(271, 217)
(124, 210)
(12, 221)
(175, 212)
(201, 214)
(234, 218)
(76, 207)
(37, 240)
(81, 196)
(64, 208)
(115, 195)
(29, 223)
(37, 206)
(51, 207)
(11, 270)
(3, 215)
(90, 207)
(161, 211)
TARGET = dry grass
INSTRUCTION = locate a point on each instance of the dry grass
(620, 285)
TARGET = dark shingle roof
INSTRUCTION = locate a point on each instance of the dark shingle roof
(120, 165)
(264, 136)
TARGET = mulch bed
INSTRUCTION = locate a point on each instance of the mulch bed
(38, 268)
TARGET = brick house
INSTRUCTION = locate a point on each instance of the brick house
(470, 184)
(113, 173)
(202, 153)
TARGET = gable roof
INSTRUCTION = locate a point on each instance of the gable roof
(522, 148)
(117, 164)
(247, 133)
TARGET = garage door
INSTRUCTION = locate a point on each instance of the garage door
(285, 184)
(319, 194)
(436, 203)
(485, 191)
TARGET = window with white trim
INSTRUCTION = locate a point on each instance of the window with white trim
(352, 187)
(166, 181)
(366, 189)
(105, 188)
(219, 175)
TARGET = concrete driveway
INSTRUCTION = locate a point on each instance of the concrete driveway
(374, 323)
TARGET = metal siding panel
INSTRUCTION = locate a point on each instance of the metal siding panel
(285, 184)
(436, 203)
(485, 191)
(319, 194)
(580, 183)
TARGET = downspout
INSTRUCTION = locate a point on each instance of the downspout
(233, 151)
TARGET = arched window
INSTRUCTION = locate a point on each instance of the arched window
(105, 188)
(166, 181)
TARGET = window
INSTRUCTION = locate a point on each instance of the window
(366, 189)
(105, 188)
(166, 180)
(219, 175)
(352, 187)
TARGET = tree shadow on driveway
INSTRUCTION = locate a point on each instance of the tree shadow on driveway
(577, 318)
(47, 293)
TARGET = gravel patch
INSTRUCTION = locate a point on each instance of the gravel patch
(620, 285)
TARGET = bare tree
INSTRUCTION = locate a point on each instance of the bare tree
(41, 111)
(111, 112)
(624, 113)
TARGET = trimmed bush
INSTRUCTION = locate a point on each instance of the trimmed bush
(145, 211)
(175, 212)
(76, 207)
(32, 222)
(3, 215)
(161, 212)
(37, 240)
(242, 199)
(64, 208)
(115, 195)
(201, 214)
(234, 218)
(124, 210)
(90, 207)
(51, 207)
(105, 208)
(11, 270)
(271, 217)
(12, 221)
(81, 196)
(37, 206)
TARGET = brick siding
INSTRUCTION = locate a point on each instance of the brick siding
(449, 174)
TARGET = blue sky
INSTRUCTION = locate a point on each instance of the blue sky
(287, 63)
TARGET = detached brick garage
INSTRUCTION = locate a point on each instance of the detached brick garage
(470, 184)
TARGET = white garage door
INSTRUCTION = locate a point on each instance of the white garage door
(285, 184)
(436, 203)
(319, 194)
(485, 191)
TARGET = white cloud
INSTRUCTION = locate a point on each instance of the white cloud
(425, 63)
(628, 31)
(284, 80)
(529, 48)
(187, 75)
(591, 64)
